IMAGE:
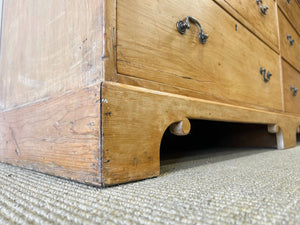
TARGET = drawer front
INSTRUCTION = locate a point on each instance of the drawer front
(291, 10)
(227, 66)
(289, 45)
(291, 86)
(253, 13)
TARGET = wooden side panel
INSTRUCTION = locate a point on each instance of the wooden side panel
(49, 47)
(58, 136)
(135, 119)
(110, 41)
(1, 5)
(226, 67)
(266, 24)
(291, 78)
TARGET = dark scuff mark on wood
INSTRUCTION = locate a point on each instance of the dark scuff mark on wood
(107, 161)
(108, 114)
(15, 140)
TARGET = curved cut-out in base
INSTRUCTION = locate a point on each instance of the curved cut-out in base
(133, 127)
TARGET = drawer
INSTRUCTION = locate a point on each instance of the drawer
(289, 50)
(264, 23)
(227, 66)
(291, 9)
(291, 80)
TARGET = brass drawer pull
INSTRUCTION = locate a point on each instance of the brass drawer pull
(267, 76)
(262, 7)
(294, 90)
(183, 25)
(290, 39)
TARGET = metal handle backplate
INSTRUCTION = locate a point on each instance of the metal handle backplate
(266, 74)
(182, 25)
(290, 39)
(294, 90)
(263, 8)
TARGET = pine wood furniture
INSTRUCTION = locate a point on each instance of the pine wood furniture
(89, 87)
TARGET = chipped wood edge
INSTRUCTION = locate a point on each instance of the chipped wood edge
(181, 128)
(280, 140)
(273, 129)
(135, 119)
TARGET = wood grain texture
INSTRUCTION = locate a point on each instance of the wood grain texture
(110, 40)
(59, 118)
(291, 78)
(139, 82)
(265, 24)
(291, 11)
(226, 67)
(291, 53)
(49, 47)
(58, 136)
(228, 8)
(135, 119)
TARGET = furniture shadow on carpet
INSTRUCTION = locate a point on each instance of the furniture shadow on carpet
(213, 141)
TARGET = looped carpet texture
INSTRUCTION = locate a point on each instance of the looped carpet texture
(220, 186)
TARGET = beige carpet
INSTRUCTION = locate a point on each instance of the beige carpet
(231, 186)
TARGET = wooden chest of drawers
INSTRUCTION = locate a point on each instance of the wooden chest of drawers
(88, 88)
